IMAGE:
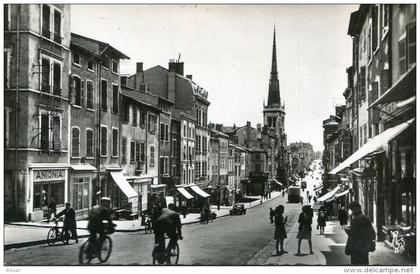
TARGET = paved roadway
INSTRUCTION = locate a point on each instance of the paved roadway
(232, 240)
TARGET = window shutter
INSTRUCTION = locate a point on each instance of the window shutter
(71, 89)
(385, 80)
(375, 28)
(83, 93)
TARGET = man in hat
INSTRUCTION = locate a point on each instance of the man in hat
(69, 223)
(361, 238)
(99, 214)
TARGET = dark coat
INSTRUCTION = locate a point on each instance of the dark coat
(280, 231)
(69, 217)
(361, 236)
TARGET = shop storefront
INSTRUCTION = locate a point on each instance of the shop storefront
(80, 189)
(47, 182)
(141, 186)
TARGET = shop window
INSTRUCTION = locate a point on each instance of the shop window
(44, 191)
(80, 193)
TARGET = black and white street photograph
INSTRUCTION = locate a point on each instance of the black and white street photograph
(264, 137)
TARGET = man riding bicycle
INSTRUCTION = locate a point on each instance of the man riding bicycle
(95, 226)
(168, 222)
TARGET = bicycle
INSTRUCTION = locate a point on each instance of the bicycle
(54, 235)
(102, 250)
(158, 259)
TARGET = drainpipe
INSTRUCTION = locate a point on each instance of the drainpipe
(98, 143)
(17, 109)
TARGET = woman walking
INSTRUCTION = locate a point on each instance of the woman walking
(305, 222)
(322, 221)
(280, 231)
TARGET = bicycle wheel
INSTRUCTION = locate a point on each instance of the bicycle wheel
(105, 250)
(83, 253)
(175, 258)
(65, 236)
(51, 237)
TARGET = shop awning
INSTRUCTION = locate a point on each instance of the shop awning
(123, 184)
(403, 89)
(295, 177)
(277, 182)
(199, 191)
(85, 167)
(316, 188)
(184, 193)
(329, 196)
(291, 180)
(377, 143)
(342, 193)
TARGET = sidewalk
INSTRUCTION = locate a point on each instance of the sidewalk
(328, 249)
(20, 234)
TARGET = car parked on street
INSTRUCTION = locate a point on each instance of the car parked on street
(238, 209)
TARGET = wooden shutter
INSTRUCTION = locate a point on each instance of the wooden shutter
(374, 28)
(82, 93)
(385, 80)
(71, 89)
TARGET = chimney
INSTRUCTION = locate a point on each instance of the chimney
(139, 77)
(259, 127)
(189, 76)
(248, 132)
(219, 127)
(177, 67)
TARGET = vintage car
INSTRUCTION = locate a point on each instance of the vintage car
(238, 209)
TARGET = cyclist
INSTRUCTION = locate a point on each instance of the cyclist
(95, 226)
(69, 221)
(168, 222)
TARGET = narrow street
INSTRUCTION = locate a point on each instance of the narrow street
(231, 240)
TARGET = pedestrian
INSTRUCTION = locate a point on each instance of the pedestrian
(314, 199)
(305, 228)
(52, 209)
(361, 238)
(301, 200)
(322, 221)
(69, 223)
(343, 216)
(309, 198)
(282, 193)
(272, 213)
(206, 213)
(280, 231)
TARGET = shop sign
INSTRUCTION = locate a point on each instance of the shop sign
(49, 175)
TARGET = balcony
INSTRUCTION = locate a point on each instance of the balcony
(46, 88)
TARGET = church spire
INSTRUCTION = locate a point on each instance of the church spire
(274, 87)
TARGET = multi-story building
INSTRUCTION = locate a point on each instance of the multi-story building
(36, 109)
(381, 170)
(109, 181)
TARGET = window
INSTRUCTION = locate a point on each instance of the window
(142, 118)
(375, 32)
(402, 56)
(411, 43)
(185, 131)
(197, 168)
(204, 118)
(76, 59)
(114, 66)
(6, 67)
(77, 91)
(56, 133)
(90, 65)
(51, 29)
(152, 123)
(167, 133)
(50, 78)
(49, 131)
(89, 143)
(105, 63)
(114, 142)
(142, 152)
(45, 128)
(138, 152)
(6, 22)
(161, 165)
(369, 41)
(152, 155)
(174, 147)
(45, 75)
(46, 21)
(104, 95)
(104, 140)
(89, 94)
(6, 125)
(162, 132)
(132, 151)
(75, 142)
(115, 99)
(198, 143)
(80, 193)
(385, 19)
(204, 144)
(134, 116)
(363, 82)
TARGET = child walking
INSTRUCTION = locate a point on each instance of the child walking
(280, 230)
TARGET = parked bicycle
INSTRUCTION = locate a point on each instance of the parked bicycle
(102, 250)
(55, 234)
(170, 258)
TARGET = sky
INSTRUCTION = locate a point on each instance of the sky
(228, 49)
